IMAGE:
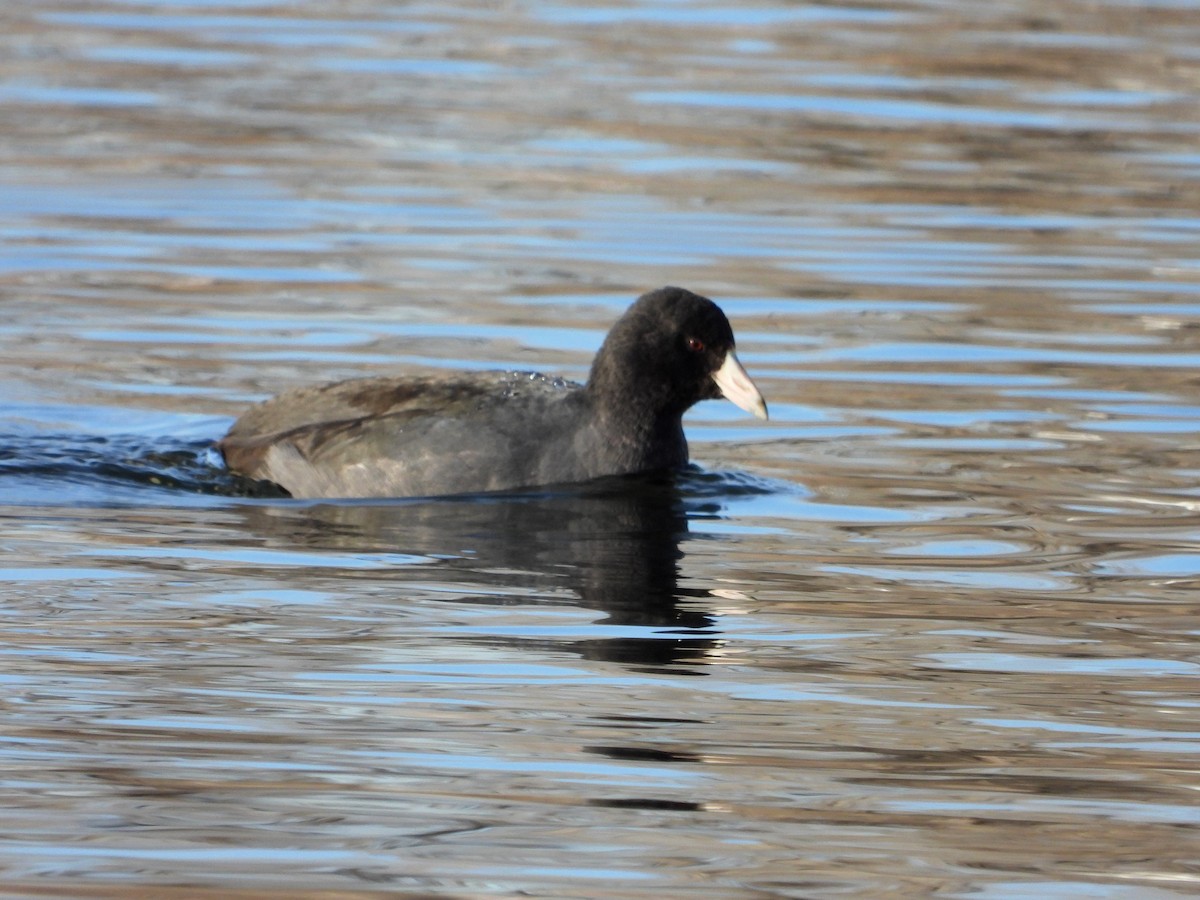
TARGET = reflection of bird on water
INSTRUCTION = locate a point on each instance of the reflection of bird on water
(612, 545)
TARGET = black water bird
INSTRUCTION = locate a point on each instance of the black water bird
(409, 436)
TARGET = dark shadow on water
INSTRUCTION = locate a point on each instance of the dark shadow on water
(612, 545)
(116, 471)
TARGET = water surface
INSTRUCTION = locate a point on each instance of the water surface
(929, 631)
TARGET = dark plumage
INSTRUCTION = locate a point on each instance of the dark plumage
(421, 436)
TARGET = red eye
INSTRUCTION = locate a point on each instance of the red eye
(695, 345)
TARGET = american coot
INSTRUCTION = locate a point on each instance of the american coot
(423, 436)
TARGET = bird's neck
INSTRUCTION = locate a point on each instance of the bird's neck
(637, 434)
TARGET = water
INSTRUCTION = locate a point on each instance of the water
(931, 630)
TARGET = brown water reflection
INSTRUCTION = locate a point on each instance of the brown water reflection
(929, 631)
